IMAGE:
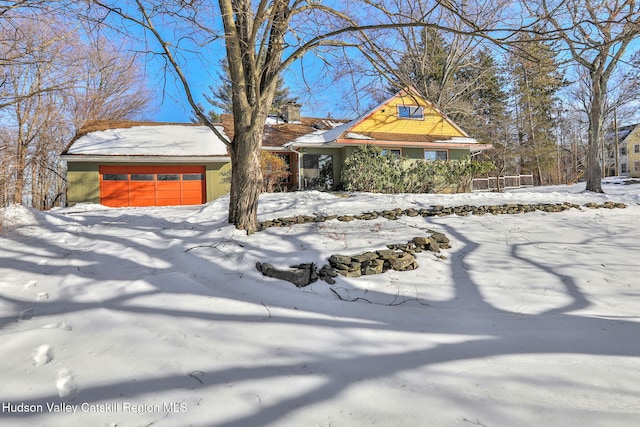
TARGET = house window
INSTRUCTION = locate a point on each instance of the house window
(410, 112)
(317, 171)
(623, 151)
(636, 148)
(623, 168)
(395, 151)
(636, 165)
(436, 155)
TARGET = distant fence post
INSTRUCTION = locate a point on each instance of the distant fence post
(506, 182)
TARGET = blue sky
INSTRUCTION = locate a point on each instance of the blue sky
(318, 95)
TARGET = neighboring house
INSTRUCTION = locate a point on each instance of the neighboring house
(143, 164)
(629, 146)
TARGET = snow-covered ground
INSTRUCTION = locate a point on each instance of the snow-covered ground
(158, 316)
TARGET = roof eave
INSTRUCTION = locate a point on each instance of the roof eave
(144, 159)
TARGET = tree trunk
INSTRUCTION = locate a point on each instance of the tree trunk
(246, 186)
(593, 173)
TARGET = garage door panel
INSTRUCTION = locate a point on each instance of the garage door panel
(151, 185)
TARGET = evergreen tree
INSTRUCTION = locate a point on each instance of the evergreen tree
(536, 81)
(220, 96)
(484, 91)
(464, 85)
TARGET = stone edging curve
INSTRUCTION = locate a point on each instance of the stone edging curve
(438, 210)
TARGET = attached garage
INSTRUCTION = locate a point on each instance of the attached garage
(127, 164)
(152, 185)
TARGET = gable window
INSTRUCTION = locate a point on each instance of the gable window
(410, 112)
(395, 151)
(436, 155)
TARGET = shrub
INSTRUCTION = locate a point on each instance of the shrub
(367, 169)
(274, 170)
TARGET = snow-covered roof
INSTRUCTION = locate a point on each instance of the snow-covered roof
(157, 140)
(324, 136)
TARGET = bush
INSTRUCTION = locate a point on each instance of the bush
(274, 170)
(367, 169)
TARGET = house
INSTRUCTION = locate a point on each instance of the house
(405, 124)
(145, 164)
(628, 161)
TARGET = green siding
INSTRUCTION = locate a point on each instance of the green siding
(458, 154)
(215, 176)
(83, 183)
(413, 153)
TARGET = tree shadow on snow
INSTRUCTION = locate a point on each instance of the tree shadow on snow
(489, 331)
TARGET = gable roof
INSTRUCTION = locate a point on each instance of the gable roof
(382, 127)
(144, 139)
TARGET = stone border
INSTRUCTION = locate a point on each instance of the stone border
(399, 257)
(438, 210)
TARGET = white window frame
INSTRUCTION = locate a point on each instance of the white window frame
(411, 112)
(395, 151)
(636, 149)
(425, 151)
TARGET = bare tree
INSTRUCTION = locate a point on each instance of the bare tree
(111, 84)
(596, 34)
(34, 81)
(53, 82)
(261, 39)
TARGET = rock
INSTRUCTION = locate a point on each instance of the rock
(401, 262)
(367, 256)
(354, 273)
(298, 276)
(440, 238)
(339, 259)
(374, 267)
(434, 245)
(421, 241)
(386, 254)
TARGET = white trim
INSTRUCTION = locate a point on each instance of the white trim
(144, 159)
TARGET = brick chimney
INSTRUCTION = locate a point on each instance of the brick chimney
(291, 112)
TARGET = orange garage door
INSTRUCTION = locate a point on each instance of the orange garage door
(151, 185)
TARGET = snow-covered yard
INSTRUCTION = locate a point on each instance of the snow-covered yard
(158, 316)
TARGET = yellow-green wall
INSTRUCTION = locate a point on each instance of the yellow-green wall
(215, 180)
(83, 183)
(633, 158)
